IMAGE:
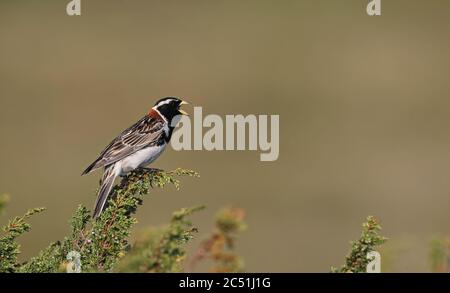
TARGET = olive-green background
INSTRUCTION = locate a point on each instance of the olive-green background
(363, 102)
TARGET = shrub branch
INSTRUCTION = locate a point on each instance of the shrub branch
(101, 242)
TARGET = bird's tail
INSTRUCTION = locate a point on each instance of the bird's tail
(106, 185)
(91, 167)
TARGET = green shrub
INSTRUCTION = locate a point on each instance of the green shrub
(103, 241)
(357, 261)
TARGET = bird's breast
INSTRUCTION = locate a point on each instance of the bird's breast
(141, 158)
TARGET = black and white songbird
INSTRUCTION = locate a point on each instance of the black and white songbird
(137, 146)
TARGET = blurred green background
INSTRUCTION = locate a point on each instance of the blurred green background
(363, 102)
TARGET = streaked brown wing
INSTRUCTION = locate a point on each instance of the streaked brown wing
(145, 132)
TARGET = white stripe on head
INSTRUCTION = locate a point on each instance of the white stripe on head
(165, 102)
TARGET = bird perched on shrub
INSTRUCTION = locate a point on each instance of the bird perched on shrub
(137, 146)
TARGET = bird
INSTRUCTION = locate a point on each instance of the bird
(137, 146)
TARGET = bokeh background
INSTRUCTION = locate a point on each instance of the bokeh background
(364, 107)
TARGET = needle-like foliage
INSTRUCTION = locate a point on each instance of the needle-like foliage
(357, 260)
(100, 242)
(160, 250)
(9, 248)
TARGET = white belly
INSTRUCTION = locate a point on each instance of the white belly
(140, 158)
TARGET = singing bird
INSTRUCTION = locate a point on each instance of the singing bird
(137, 146)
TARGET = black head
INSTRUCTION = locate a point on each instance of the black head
(170, 107)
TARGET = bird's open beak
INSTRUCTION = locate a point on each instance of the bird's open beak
(182, 112)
